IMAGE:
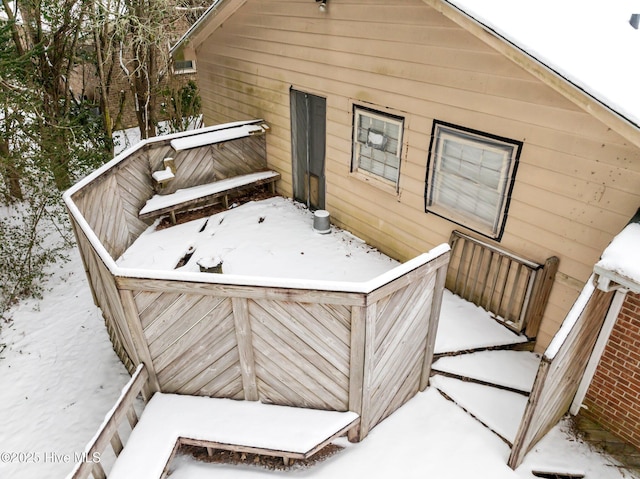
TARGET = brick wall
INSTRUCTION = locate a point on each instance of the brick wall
(613, 398)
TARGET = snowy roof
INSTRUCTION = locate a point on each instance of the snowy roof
(620, 261)
(590, 44)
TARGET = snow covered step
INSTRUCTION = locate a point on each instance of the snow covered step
(463, 326)
(245, 426)
(515, 370)
(499, 410)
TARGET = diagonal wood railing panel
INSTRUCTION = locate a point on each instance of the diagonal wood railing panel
(305, 345)
(561, 369)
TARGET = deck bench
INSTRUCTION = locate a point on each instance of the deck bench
(171, 420)
(234, 132)
(201, 195)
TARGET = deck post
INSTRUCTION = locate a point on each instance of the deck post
(140, 342)
(356, 365)
(540, 297)
(370, 315)
(245, 348)
(434, 318)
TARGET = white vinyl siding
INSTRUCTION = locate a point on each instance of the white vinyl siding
(470, 175)
(377, 144)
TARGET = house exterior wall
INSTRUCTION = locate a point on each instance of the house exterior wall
(577, 181)
(613, 398)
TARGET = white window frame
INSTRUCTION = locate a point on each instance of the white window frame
(456, 191)
(377, 141)
(186, 70)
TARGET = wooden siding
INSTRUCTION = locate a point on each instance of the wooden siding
(398, 357)
(578, 181)
(301, 353)
(192, 343)
(558, 377)
(332, 350)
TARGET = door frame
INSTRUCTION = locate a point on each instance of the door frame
(306, 143)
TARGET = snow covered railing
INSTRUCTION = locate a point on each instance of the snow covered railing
(218, 136)
(363, 346)
(108, 432)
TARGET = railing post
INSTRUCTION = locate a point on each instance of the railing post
(540, 296)
(363, 352)
(434, 318)
(356, 366)
(245, 348)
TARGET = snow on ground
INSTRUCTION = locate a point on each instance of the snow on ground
(513, 369)
(59, 376)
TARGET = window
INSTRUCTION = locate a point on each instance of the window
(470, 177)
(183, 66)
(377, 144)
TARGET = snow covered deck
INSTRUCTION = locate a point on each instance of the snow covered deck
(170, 420)
(293, 319)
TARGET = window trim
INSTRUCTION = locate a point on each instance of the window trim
(357, 110)
(507, 181)
(186, 70)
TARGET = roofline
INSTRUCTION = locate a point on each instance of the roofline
(543, 72)
(221, 10)
(198, 32)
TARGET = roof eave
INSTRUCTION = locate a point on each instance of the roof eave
(595, 107)
(209, 21)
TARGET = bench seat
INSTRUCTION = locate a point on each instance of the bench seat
(201, 195)
(170, 420)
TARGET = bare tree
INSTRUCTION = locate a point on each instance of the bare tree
(132, 39)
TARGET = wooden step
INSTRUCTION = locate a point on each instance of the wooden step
(465, 327)
(510, 370)
(499, 410)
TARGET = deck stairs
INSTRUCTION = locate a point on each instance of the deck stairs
(483, 367)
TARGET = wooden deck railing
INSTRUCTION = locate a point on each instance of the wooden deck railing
(108, 433)
(513, 288)
(562, 366)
